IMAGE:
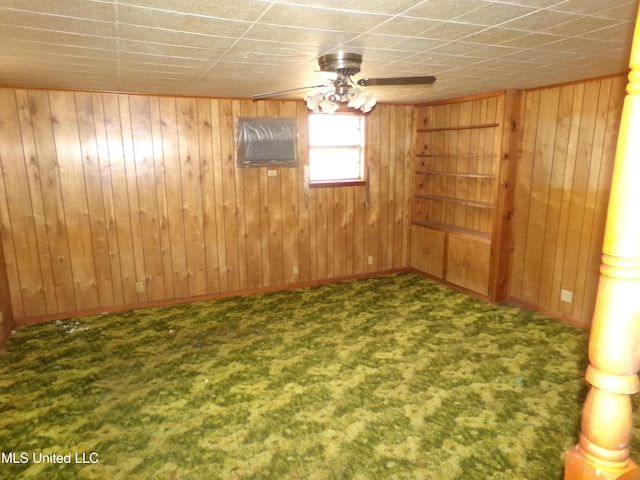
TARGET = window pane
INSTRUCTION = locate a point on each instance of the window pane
(334, 130)
(335, 164)
(336, 148)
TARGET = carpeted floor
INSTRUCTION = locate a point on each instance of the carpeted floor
(394, 377)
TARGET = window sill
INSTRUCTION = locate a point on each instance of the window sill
(338, 183)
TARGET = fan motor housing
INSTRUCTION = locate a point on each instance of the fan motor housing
(341, 62)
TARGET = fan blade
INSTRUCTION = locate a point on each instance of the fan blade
(372, 82)
(273, 94)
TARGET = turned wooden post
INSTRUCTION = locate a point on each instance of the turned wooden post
(607, 418)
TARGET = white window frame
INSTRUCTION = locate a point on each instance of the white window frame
(335, 148)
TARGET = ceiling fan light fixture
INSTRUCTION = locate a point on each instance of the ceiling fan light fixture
(332, 98)
(329, 101)
(313, 102)
(369, 104)
(341, 66)
(356, 98)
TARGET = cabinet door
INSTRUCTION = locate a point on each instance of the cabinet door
(468, 261)
(427, 250)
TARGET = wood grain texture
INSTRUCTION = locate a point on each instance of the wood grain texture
(464, 155)
(104, 193)
(453, 141)
(8, 124)
(563, 183)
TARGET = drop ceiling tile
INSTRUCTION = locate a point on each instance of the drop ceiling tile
(325, 4)
(53, 59)
(169, 50)
(380, 6)
(31, 50)
(531, 3)
(494, 36)
(81, 9)
(494, 14)
(457, 48)
(625, 12)
(385, 56)
(297, 35)
(559, 59)
(503, 64)
(244, 10)
(618, 33)
(300, 16)
(46, 38)
(159, 20)
(490, 51)
(182, 39)
(445, 9)
(405, 26)
(529, 56)
(419, 44)
(165, 60)
(372, 41)
(587, 7)
(433, 60)
(286, 52)
(581, 25)
(451, 31)
(39, 21)
(578, 45)
(531, 40)
(540, 20)
(355, 22)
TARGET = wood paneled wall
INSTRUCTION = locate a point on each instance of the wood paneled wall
(102, 191)
(6, 320)
(563, 183)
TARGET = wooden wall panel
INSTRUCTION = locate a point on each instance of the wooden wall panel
(562, 189)
(112, 200)
(8, 125)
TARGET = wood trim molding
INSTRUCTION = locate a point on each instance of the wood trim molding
(21, 322)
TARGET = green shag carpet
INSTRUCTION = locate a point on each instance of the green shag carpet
(395, 377)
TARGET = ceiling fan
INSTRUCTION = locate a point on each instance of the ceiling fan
(343, 88)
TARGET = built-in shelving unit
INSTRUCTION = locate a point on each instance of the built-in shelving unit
(458, 200)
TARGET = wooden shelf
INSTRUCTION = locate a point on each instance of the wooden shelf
(460, 230)
(472, 203)
(456, 174)
(461, 127)
(443, 227)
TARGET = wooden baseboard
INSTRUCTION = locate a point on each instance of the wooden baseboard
(549, 313)
(20, 322)
(516, 301)
(466, 291)
(23, 321)
(6, 333)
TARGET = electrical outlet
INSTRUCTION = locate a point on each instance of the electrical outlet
(272, 173)
(370, 260)
(295, 269)
(566, 296)
(139, 287)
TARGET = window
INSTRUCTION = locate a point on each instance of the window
(336, 149)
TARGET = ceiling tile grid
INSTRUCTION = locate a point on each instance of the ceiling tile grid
(248, 47)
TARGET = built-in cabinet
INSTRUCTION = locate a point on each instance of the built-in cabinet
(427, 250)
(462, 191)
